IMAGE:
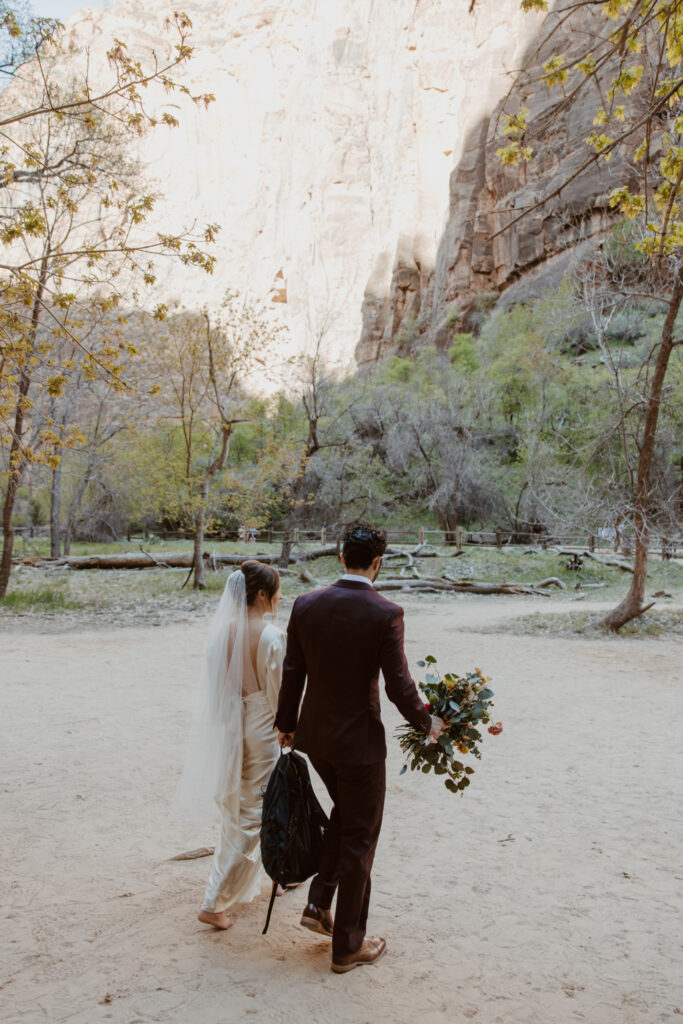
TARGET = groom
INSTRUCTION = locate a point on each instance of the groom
(338, 639)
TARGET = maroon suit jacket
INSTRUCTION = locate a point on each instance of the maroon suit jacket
(338, 639)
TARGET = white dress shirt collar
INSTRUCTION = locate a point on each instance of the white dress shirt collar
(352, 578)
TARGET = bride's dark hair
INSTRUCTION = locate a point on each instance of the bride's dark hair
(258, 576)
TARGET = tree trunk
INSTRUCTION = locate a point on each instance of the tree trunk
(295, 501)
(449, 523)
(75, 507)
(55, 504)
(16, 454)
(16, 462)
(632, 606)
(67, 538)
(285, 550)
(198, 560)
(7, 528)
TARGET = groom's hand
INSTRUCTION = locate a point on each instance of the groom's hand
(285, 739)
(436, 729)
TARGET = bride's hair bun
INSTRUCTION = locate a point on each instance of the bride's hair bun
(258, 576)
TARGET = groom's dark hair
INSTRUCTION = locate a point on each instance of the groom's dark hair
(361, 544)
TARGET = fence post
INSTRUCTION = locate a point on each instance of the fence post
(591, 543)
(421, 535)
(458, 538)
(323, 535)
(295, 535)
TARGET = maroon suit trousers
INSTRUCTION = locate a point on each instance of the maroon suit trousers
(349, 850)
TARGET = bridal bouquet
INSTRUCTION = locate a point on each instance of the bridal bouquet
(464, 703)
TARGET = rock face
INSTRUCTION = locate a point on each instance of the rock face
(327, 155)
(484, 197)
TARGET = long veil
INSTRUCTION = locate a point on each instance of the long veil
(213, 765)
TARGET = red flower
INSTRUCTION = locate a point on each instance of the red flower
(428, 707)
(496, 729)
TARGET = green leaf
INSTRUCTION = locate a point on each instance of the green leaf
(426, 768)
(430, 660)
(445, 744)
(421, 664)
(485, 694)
(452, 786)
(403, 770)
(469, 771)
(457, 766)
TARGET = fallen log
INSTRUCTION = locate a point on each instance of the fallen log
(160, 565)
(416, 587)
(552, 581)
(470, 587)
(615, 563)
(416, 583)
(424, 551)
(408, 567)
(128, 561)
(445, 585)
(145, 560)
(310, 556)
(306, 577)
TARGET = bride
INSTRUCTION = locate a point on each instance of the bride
(234, 744)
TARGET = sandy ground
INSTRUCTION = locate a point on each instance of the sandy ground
(550, 893)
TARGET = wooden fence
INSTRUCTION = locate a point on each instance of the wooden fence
(667, 547)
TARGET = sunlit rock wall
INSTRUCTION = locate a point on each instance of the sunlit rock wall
(327, 155)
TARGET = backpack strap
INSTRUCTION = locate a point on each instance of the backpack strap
(270, 907)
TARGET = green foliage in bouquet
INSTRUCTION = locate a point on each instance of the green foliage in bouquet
(464, 703)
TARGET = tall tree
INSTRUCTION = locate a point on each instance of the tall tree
(202, 369)
(72, 219)
(630, 54)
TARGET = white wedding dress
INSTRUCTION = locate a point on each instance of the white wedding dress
(234, 746)
(236, 869)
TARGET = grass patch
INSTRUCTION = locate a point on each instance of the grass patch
(666, 622)
(41, 599)
(129, 597)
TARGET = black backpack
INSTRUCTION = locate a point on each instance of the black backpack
(293, 826)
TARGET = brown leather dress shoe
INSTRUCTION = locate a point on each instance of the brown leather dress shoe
(318, 920)
(371, 950)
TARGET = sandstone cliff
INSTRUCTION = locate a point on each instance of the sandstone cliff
(327, 155)
(484, 197)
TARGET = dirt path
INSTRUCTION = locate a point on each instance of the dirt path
(550, 893)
